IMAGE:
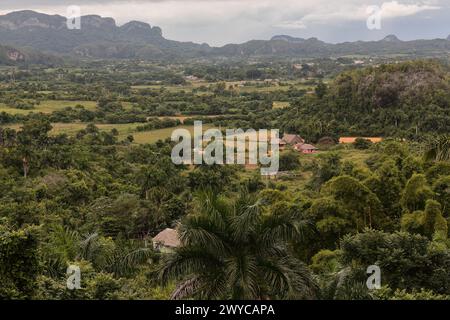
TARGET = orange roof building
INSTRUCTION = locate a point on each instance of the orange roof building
(347, 140)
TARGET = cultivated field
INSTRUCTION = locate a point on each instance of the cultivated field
(140, 137)
(49, 106)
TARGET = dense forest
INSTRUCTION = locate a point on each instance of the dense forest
(79, 187)
(407, 100)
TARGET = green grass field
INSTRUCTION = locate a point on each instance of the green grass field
(124, 130)
(280, 105)
(251, 86)
(73, 128)
(6, 109)
(49, 106)
(160, 134)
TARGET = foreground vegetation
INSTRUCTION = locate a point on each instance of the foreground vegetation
(90, 185)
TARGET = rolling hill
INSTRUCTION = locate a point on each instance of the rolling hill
(101, 37)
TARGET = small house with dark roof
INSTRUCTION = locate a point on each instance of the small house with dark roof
(291, 139)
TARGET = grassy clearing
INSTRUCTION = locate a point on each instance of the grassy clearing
(160, 134)
(250, 86)
(173, 88)
(280, 105)
(72, 128)
(9, 110)
(125, 130)
(49, 106)
(183, 118)
(356, 156)
(180, 118)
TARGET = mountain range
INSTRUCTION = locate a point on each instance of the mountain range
(101, 37)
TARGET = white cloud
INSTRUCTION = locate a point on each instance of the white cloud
(355, 12)
(395, 9)
(291, 24)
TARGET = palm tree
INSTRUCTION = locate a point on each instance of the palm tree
(236, 250)
(120, 261)
(438, 149)
(66, 246)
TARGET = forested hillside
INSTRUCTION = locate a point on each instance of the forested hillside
(405, 100)
(10, 56)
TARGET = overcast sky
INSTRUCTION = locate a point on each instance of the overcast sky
(218, 22)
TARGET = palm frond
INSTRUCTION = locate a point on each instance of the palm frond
(438, 149)
(211, 207)
(284, 229)
(201, 237)
(215, 286)
(186, 261)
(242, 273)
(303, 284)
(275, 276)
(186, 289)
(64, 242)
(131, 260)
(88, 246)
(247, 216)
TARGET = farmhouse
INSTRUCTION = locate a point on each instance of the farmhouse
(305, 148)
(166, 240)
(297, 143)
(291, 139)
(347, 140)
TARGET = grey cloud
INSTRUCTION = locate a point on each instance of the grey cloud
(223, 21)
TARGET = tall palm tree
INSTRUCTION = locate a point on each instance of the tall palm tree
(236, 250)
(438, 149)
